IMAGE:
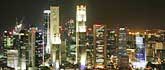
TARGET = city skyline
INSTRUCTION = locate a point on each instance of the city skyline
(138, 14)
(82, 35)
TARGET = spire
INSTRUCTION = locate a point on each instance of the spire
(19, 24)
(19, 20)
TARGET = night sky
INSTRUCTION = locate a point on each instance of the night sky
(138, 14)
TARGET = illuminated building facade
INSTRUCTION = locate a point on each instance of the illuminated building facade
(21, 43)
(12, 58)
(89, 48)
(141, 54)
(155, 44)
(7, 40)
(55, 39)
(32, 48)
(46, 30)
(39, 48)
(68, 34)
(111, 45)
(122, 41)
(81, 35)
(100, 45)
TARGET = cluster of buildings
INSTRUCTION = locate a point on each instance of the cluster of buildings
(97, 47)
(73, 43)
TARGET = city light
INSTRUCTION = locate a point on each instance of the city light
(5, 31)
(47, 11)
(83, 61)
(81, 18)
(81, 35)
(57, 39)
(81, 13)
(139, 65)
(122, 29)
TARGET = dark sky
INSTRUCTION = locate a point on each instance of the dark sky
(133, 13)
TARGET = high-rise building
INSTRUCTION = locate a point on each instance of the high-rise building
(32, 48)
(55, 38)
(140, 47)
(39, 48)
(12, 58)
(21, 44)
(7, 44)
(122, 46)
(100, 45)
(81, 35)
(89, 48)
(68, 34)
(46, 30)
(122, 41)
(111, 43)
(7, 40)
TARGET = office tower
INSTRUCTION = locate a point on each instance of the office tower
(122, 41)
(7, 44)
(39, 48)
(140, 55)
(100, 45)
(7, 40)
(111, 45)
(68, 34)
(46, 30)
(31, 48)
(55, 39)
(12, 58)
(89, 48)
(80, 34)
(22, 45)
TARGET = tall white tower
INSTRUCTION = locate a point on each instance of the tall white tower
(55, 36)
(80, 33)
(47, 23)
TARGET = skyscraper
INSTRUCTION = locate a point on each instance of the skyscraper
(100, 45)
(122, 41)
(55, 39)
